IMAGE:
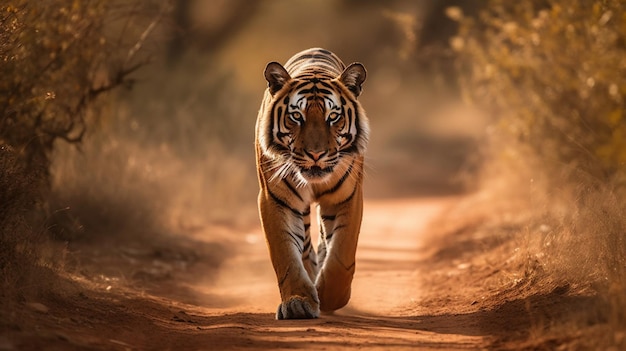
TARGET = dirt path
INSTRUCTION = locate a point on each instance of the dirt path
(386, 283)
(170, 296)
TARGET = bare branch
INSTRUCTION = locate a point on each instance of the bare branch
(133, 51)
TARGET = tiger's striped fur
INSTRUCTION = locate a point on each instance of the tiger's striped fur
(311, 135)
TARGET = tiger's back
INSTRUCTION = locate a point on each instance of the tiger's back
(315, 62)
(311, 135)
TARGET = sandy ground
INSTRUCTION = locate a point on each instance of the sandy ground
(415, 288)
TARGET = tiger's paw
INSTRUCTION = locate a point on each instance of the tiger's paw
(297, 307)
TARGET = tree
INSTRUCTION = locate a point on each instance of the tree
(57, 57)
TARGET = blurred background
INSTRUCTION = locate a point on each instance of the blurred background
(135, 120)
(127, 127)
(180, 142)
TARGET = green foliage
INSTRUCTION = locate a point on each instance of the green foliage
(553, 74)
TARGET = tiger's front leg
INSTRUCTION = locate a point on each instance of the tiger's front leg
(340, 224)
(285, 235)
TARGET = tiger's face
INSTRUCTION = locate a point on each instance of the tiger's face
(315, 124)
(315, 130)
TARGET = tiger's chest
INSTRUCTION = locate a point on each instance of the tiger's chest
(342, 184)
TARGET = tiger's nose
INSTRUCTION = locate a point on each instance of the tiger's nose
(315, 155)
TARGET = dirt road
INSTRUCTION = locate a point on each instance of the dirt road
(198, 292)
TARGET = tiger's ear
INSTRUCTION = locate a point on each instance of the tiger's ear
(352, 77)
(276, 76)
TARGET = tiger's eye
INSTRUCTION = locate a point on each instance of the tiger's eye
(296, 117)
(333, 118)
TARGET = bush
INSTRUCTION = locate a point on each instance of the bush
(57, 57)
(551, 76)
(552, 73)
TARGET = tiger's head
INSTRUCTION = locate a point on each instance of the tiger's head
(313, 124)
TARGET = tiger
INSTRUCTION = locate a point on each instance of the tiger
(311, 136)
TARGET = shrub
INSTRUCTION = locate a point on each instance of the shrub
(552, 72)
(56, 58)
(551, 76)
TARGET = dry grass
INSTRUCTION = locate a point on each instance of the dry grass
(568, 238)
(175, 154)
(166, 161)
(554, 151)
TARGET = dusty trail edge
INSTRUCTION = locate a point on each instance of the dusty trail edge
(198, 291)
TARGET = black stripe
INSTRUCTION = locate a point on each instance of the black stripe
(326, 58)
(293, 190)
(352, 120)
(302, 57)
(351, 149)
(282, 280)
(312, 73)
(275, 118)
(356, 122)
(307, 226)
(340, 227)
(326, 85)
(270, 128)
(298, 243)
(352, 112)
(347, 136)
(307, 246)
(279, 111)
(297, 236)
(349, 197)
(339, 182)
(279, 148)
(329, 217)
(307, 82)
(319, 58)
(313, 90)
(284, 204)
